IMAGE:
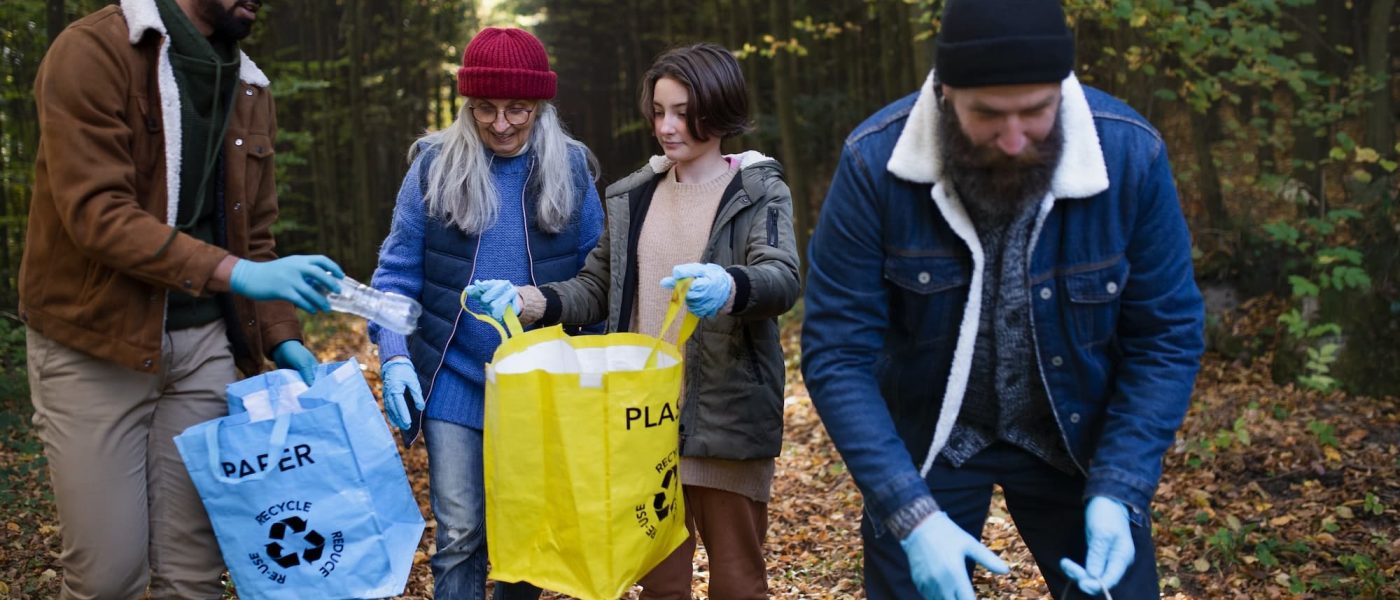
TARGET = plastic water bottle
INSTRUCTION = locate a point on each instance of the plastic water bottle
(391, 311)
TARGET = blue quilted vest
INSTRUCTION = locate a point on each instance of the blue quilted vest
(449, 266)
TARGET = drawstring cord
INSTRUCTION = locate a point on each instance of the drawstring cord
(210, 158)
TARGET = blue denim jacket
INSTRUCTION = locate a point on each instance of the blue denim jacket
(893, 298)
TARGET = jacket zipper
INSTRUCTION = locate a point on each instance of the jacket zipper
(773, 226)
(530, 261)
(432, 382)
(524, 224)
(708, 255)
(724, 219)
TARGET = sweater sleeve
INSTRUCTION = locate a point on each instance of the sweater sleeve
(400, 267)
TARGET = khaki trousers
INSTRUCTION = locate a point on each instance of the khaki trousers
(732, 527)
(128, 513)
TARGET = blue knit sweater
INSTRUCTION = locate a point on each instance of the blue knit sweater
(457, 391)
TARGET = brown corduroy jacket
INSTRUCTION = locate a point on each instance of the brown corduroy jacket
(94, 276)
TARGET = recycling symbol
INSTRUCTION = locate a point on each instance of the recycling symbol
(314, 542)
(661, 502)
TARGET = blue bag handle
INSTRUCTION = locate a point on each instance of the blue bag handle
(274, 445)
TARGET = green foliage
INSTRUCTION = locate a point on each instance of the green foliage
(1282, 88)
(1373, 504)
(14, 382)
(1326, 434)
(1318, 365)
(1321, 257)
(1371, 578)
(1227, 542)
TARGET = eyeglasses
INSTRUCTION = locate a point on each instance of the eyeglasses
(486, 114)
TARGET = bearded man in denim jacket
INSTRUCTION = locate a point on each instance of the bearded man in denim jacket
(1001, 293)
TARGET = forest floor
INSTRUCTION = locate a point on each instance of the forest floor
(1270, 491)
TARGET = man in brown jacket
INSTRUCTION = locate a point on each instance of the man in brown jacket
(153, 198)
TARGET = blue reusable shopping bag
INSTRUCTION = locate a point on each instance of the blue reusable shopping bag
(305, 488)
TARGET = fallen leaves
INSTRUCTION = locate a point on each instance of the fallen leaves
(1270, 491)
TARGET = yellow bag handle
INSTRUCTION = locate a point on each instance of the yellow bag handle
(688, 323)
(512, 321)
(513, 327)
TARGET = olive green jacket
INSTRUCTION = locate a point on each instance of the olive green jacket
(734, 375)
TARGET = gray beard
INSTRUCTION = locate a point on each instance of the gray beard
(993, 187)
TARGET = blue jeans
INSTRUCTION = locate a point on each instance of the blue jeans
(1047, 506)
(459, 506)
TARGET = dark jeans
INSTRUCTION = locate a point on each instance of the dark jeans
(1046, 505)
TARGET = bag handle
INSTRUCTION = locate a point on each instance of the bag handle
(688, 323)
(512, 321)
(275, 442)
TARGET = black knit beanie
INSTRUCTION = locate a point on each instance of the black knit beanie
(1003, 42)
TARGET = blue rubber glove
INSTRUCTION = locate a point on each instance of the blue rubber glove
(1110, 547)
(938, 551)
(496, 294)
(292, 355)
(399, 380)
(301, 280)
(709, 288)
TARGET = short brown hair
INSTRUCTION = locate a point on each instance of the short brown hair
(719, 99)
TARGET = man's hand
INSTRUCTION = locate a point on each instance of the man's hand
(291, 354)
(938, 551)
(301, 280)
(1110, 547)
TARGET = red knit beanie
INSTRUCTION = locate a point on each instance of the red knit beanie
(508, 64)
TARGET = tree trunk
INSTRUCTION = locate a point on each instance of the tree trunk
(1380, 123)
(56, 17)
(1208, 177)
(1309, 144)
(328, 207)
(783, 90)
(746, 7)
(912, 77)
(361, 219)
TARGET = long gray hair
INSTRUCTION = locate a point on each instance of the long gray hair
(462, 192)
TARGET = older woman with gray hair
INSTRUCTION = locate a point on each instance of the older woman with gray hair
(502, 193)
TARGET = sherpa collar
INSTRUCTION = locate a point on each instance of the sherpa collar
(1082, 172)
(660, 164)
(142, 16)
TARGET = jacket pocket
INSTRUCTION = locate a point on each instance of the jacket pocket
(927, 294)
(1094, 301)
(253, 156)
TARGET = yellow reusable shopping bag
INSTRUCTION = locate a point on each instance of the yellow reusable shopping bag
(582, 476)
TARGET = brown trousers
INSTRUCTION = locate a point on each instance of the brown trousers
(732, 527)
(128, 513)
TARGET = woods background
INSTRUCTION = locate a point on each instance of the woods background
(1279, 114)
(1280, 117)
